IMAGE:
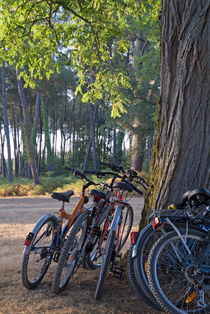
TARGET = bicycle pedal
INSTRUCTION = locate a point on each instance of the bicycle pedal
(118, 272)
(97, 231)
(56, 256)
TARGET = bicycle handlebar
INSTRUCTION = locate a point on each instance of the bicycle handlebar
(103, 173)
(134, 187)
(79, 174)
(129, 174)
(114, 167)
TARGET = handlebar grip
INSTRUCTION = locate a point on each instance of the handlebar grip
(113, 166)
(80, 175)
(135, 188)
(77, 173)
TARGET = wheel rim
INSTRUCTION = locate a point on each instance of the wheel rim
(176, 280)
(41, 253)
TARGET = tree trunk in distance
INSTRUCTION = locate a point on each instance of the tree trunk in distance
(46, 132)
(3, 169)
(92, 143)
(181, 152)
(137, 152)
(6, 123)
(27, 125)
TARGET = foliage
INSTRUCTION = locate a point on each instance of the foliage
(88, 33)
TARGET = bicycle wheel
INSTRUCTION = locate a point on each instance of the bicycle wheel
(93, 258)
(106, 258)
(133, 280)
(124, 227)
(39, 254)
(71, 255)
(146, 239)
(175, 275)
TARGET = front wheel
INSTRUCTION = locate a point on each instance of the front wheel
(106, 258)
(38, 254)
(124, 227)
(72, 254)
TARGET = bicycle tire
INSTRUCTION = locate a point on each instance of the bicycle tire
(133, 279)
(146, 240)
(59, 283)
(126, 225)
(182, 298)
(34, 271)
(106, 258)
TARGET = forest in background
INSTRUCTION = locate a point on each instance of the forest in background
(63, 128)
(110, 50)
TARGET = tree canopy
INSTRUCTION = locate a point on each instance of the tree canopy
(89, 34)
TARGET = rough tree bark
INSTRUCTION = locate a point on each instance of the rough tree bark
(181, 152)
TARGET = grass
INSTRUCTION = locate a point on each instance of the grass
(25, 187)
(49, 184)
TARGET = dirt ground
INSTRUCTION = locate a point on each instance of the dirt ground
(17, 218)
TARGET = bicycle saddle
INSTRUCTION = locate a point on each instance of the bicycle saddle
(97, 194)
(184, 197)
(63, 196)
(194, 193)
(123, 186)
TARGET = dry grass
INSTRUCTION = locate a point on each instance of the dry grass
(17, 217)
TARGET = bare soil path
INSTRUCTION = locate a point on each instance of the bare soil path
(17, 218)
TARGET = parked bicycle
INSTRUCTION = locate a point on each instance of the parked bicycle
(83, 235)
(87, 240)
(111, 252)
(43, 244)
(143, 242)
(179, 262)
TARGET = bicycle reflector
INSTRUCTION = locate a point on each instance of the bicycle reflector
(156, 223)
(134, 236)
(191, 297)
(28, 239)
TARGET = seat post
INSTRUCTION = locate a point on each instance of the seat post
(62, 207)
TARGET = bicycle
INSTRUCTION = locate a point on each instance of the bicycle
(182, 257)
(83, 236)
(110, 254)
(142, 242)
(89, 234)
(43, 244)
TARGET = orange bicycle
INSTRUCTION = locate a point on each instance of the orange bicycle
(43, 244)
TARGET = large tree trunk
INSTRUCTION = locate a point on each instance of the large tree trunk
(27, 126)
(181, 152)
(6, 123)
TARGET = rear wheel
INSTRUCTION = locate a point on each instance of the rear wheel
(94, 257)
(180, 280)
(72, 254)
(39, 254)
